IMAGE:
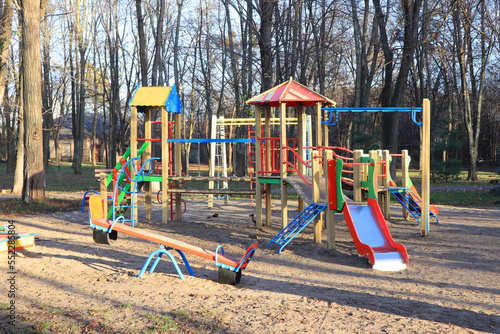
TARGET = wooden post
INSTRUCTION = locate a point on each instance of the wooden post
(258, 165)
(283, 165)
(405, 166)
(385, 184)
(178, 164)
(211, 167)
(164, 159)
(330, 216)
(267, 133)
(145, 157)
(133, 154)
(426, 166)
(223, 157)
(301, 125)
(316, 174)
(319, 136)
(325, 128)
(357, 176)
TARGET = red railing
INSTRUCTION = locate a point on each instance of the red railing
(296, 158)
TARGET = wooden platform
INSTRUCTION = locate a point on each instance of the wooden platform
(207, 178)
(212, 191)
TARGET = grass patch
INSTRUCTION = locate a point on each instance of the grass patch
(466, 198)
(58, 178)
(126, 305)
(484, 178)
(16, 207)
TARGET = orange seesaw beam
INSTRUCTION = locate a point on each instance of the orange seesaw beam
(95, 207)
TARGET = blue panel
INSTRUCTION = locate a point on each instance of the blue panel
(203, 140)
(173, 103)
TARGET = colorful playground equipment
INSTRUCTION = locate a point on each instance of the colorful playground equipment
(366, 222)
(218, 160)
(367, 218)
(106, 232)
(407, 195)
(10, 242)
(276, 159)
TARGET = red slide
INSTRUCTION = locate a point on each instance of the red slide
(372, 238)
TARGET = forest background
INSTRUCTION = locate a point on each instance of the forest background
(83, 59)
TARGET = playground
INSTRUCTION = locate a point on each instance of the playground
(69, 284)
(139, 259)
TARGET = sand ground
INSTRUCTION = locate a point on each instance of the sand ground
(69, 284)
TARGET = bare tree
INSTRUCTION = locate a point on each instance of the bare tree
(393, 96)
(6, 15)
(142, 43)
(34, 175)
(47, 101)
(79, 30)
(472, 66)
(266, 9)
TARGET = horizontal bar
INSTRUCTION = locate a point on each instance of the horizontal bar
(208, 178)
(212, 191)
(204, 140)
(392, 109)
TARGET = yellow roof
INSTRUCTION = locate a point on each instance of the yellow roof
(150, 97)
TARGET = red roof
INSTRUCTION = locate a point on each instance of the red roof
(292, 94)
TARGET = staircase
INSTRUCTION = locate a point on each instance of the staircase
(297, 225)
(411, 202)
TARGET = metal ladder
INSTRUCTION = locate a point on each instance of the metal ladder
(411, 203)
(297, 225)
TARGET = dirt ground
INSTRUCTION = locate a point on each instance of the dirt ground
(69, 284)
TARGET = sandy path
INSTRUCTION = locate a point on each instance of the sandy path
(69, 284)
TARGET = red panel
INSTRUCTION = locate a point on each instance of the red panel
(332, 185)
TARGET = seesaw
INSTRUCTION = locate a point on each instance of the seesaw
(106, 232)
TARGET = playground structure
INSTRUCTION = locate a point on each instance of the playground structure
(218, 160)
(11, 242)
(275, 158)
(360, 217)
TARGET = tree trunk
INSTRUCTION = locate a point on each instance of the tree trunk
(7, 13)
(34, 176)
(180, 4)
(48, 119)
(390, 97)
(142, 44)
(158, 43)
(265, 43)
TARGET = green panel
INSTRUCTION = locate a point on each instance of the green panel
(339, 165)
(270, 180)
(153, 178)
(370, 184)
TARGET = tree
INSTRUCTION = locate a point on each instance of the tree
(142, 43)
(34, 176)
(47, 101)
(6, 15)
(265, 43)
(78, 88)
(394, 97)
(472, 51)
